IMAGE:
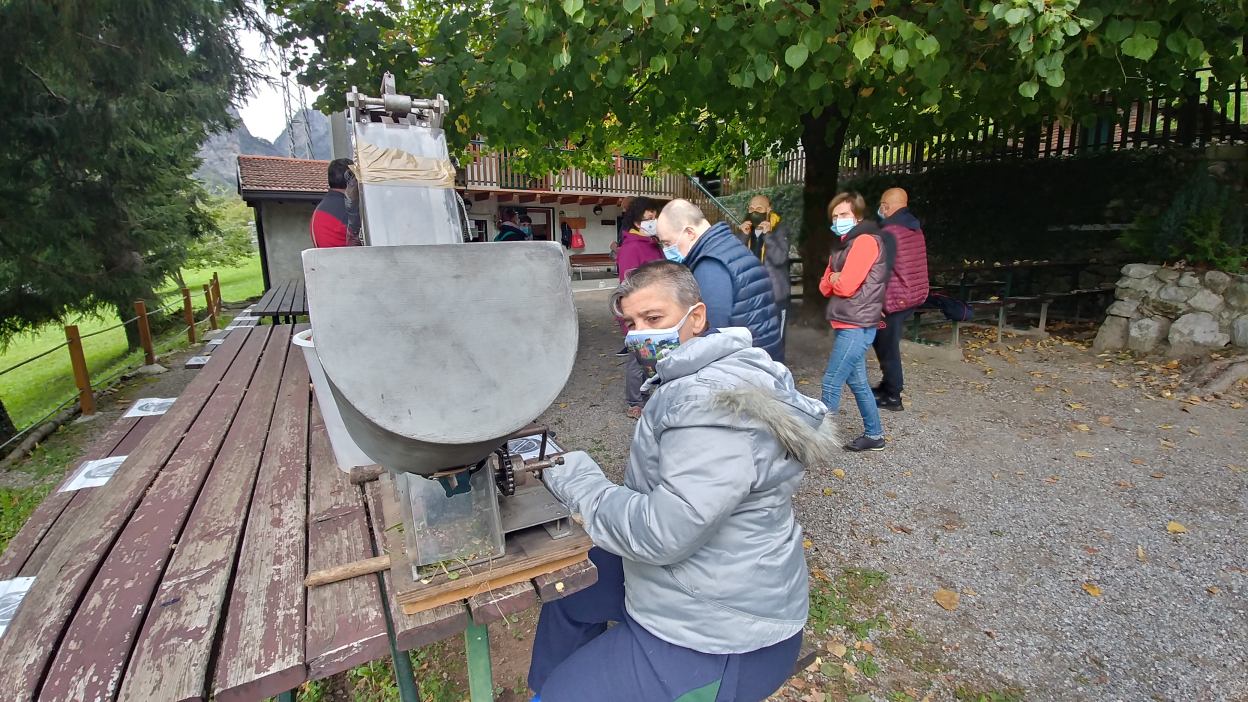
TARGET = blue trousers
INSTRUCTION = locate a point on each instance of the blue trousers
(577, 658)
(848, 365)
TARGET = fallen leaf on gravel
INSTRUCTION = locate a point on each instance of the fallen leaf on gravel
(1082, 427)
(940, 390)
(1165, 426)
(1193, 432)
(1019, 473)
(806, 543)
(1089, 549)
(906, 472)
(947, 599)
(1039, 389)
(868, 647)
(851, 670)
(562, 405)
(1092, 589)
(838, 472)
(1237, 469)
(969, 591)
(1176, 528)
(1025, 437)
(906, 404)
(1157, 475)
(890, 495)
(1236, 405)
(1105, 420)
(803, 382)
(1123, 483)
(1139, 552)
(1074, 405)
(1136, 461)
(1167, 444)
(1054, 479)
(1037, 374)
(837, 650)
(829, 492)
(1186, 409)
(1214, 591)
(900, 528)
(797, 684)
(991, 634)
(1082, 454)
(996, 475)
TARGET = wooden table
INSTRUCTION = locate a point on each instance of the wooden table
(182, 577)
(283, 302)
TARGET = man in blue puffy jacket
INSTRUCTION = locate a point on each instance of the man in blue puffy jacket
(735, 285)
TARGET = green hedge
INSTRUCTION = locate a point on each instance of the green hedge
(786, 200)
(1003, 211)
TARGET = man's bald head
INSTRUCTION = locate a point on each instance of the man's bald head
(759, 203)
(892, 200)
(681, 223)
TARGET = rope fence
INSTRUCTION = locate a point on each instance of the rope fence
(73, 340)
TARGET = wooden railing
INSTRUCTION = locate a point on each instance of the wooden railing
(492, 170)
(1213, 116)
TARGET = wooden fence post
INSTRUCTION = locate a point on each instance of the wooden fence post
(216, 290)
(189, 311)
(145, 332)
(212, 309)
(79, 362)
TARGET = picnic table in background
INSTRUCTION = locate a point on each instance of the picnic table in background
(182, 577)
(284, 302)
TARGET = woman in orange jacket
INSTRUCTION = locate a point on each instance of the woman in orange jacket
(855, 282)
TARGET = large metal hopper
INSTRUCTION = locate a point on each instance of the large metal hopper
(437, 353)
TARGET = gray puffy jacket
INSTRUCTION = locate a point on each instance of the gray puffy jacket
(713, 557)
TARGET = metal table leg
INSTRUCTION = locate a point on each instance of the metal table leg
(480, 674)
(287, 696)
(1044, 314)
(403, 674)
(1000, 322)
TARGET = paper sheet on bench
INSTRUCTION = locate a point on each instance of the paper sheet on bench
(93, 473)
(11, 594)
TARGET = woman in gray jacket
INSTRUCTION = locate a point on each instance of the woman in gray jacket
(699, 555)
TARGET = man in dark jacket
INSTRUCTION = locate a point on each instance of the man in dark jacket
(907, 289)
(734, 284)
(508, 229)
(768, 238)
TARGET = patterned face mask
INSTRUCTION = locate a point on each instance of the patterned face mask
(649, 345)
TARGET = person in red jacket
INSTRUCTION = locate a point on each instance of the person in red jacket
(907, 289)
(855, 281)
(638, 245)
(329, 222)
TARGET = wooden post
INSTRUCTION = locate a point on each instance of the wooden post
(216, 290)
(212, 310)
(81, 378)
(145, 332)
(189, 311)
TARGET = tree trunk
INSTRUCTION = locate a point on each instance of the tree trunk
(125, 311)
(823, 138)
(7, 430)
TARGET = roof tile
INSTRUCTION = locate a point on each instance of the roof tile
(272, 173)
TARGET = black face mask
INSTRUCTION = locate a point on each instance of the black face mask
(756, 218)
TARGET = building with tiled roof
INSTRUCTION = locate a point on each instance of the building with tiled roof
(284, 192)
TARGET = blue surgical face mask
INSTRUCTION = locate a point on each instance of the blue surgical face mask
(649, 345)
(673, 254)
(842, 226)
(526, 229)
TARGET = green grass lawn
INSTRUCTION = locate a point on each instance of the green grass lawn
(35, 389)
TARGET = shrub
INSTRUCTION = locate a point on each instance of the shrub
(1203, 225)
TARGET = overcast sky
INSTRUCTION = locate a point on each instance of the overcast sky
(263, 112)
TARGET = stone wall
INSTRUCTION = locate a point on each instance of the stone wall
(1175, 311)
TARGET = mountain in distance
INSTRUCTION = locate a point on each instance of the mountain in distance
(220, 153)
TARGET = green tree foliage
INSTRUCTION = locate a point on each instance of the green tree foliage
(698, 80)
(103, 105)
(232, 242)
(1203, 225)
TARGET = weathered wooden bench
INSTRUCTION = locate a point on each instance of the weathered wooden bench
(284, 302)
(593, 263)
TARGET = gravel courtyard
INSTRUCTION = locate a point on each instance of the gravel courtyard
(1093, 530)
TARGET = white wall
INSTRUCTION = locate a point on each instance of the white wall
(598, 237)
(286, 226)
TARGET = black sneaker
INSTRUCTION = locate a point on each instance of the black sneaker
(886, 403)
(865, 443)
(622, 352)
(879, 394)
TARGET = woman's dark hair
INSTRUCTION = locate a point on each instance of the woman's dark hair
(506, 213)
(857, 204)
(525, 219)
(637, 210)
(338, 169)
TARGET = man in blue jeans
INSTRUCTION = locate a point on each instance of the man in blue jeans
(699, 555)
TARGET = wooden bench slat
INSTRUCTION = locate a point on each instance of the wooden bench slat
(45, 515)
(78, 499)
(262, 648)
(346, 623)
(98, 641)
(265, 305)
(492, 606)
(172, 654)
(565, 581)
(410, 630)
(31, 638)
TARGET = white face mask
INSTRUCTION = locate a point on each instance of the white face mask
(649, 228)
(649, 345)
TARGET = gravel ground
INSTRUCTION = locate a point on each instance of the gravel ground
(1024, 479)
